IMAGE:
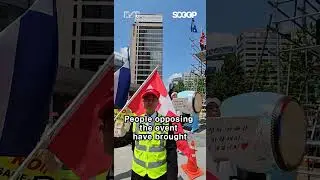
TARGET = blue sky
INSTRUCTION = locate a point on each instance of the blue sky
(234, 16)
(227, 16)
(177, 46)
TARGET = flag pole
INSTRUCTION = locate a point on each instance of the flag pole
(135, 94)
(46, 139)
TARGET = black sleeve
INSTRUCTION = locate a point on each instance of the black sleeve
(125, 140)
(172, 159)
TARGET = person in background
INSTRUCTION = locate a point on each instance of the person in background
(174, 95)
(213, 107)
(223, 169)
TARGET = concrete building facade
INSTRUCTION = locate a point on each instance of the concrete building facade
(190, 81)
(146, 46)
(249, 49)
(85, 41)
(217, 56)
(92, 34)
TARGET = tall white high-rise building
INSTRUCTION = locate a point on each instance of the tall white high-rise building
(146, 47)
(249, 49)
(190, 81)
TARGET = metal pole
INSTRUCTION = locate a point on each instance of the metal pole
(261, 55)
(301, 48)
(299, 17)
(307, 84)
(135, 94)
(278, 61)
(289, 69)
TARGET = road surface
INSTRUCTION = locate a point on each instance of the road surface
(123, 158)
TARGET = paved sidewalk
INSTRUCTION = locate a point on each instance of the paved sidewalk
(123, 158)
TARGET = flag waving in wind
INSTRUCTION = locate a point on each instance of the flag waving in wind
(165, 106)
(122, 84)
(28, 65)
(193, 26)
(80, 143)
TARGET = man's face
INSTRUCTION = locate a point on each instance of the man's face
(150, 102)
(212, 110)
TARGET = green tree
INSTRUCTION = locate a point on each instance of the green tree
(201, 85)
(230, 81)
(179, 86)
(264, 81)
(298, 71)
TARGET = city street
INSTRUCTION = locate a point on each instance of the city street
(123, 158)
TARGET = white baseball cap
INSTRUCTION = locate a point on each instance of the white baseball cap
(213, 100)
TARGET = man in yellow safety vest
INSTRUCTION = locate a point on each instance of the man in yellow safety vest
(153, 158)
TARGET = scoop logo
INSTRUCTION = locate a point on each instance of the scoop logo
(184, 14)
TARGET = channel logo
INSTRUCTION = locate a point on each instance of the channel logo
(129, 15)
(184, 14)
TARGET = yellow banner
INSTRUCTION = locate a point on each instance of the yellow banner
(36, 169)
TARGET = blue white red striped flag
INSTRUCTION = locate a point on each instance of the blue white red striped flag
(28, 65)
(122, 85)
(193, 26)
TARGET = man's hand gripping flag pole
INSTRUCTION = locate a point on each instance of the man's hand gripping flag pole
(136, 93)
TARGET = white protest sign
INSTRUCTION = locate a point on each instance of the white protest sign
(231, 136)
(181, 104)
(240, 140)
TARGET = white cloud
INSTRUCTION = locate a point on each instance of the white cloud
(124, 52)
(171, 77)
(175, 75)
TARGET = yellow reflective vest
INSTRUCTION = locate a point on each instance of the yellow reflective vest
(69, 175)
(149, 156)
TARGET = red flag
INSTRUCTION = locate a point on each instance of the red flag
(211, 176)
(164, 108)
(79, 143)
(202, 41)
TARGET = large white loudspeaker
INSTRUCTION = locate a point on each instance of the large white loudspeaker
(192, 101)
(260, 132)
(189, 102)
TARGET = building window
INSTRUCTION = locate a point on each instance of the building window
(97, 29)
(74, 28)
(72, 63)
(73, 46)
(151, 27)
(97, 11)
(96, 47)
(75, 11)
(250, 54)
(91, 64)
